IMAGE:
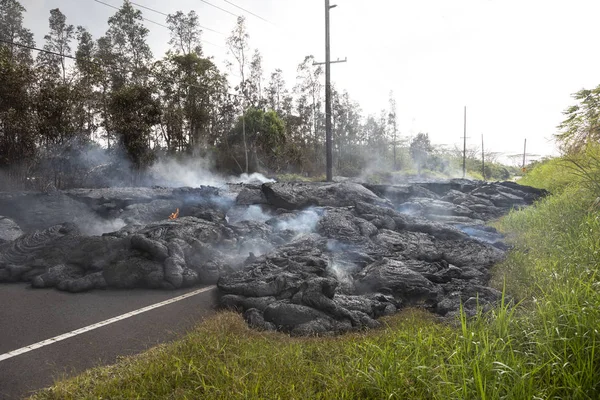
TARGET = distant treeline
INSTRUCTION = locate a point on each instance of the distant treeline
(81, 92)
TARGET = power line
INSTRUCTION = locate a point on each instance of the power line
(249, 12)
(47, 51)
(86, 60)
(145, 19)
(157, 23)
(219, 8)
(166, 15)
(96, 63)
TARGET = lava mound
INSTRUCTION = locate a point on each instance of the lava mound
(304, 258)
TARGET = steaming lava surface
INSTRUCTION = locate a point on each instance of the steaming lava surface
(304, 258)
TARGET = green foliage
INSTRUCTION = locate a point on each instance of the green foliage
(189, 87)
(17, 136)
(585, 165)
(130, 50)
(582, 123)
(185, 33)
(17, 133)
(265, 138)
(58, 40)
(550, 174)
(575, 169)
(12, 30)
(420, 149)
(135, 111)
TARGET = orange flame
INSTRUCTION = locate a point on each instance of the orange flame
(174, 215)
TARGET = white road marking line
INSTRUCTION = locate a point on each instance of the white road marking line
(97, 325)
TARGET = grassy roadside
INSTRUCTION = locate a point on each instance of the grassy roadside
(545, 347)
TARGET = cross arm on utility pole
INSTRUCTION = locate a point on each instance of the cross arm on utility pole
(331, 62)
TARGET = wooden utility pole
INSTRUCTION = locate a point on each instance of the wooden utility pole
(328, 62)
(465, 146)
(328, 133)
(524, 154)
(482, 159)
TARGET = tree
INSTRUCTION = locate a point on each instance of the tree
(185, 33)
(265, 132)
(347, 133)
(17, 133)
(58, 40)
(108, 79)
(56, 99)
(238, 47)
(309, 90)
(393, 124)
(420, 148)
(582, 124)
(132, 54)
(376, 144)
(87, 79)
(12, 31)
(255, 81)
(276, 91)
(135, 111)
(189, 87)
(189, 84)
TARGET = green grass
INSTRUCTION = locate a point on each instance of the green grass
(543, 347)
(552, 174)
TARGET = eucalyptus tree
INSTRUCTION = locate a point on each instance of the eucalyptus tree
(55, 99)
(107, 74)
(58, 41)
(132, 103)
(238, 45)
(17, 133)
(309, 91)
(276, 91)
(420, 150)
(13, 33)
(132, 54)
(135, 110)
(185, 33)
(87, 80)
(393, 125)
(189, 85)
(254, 87)
(348, 138)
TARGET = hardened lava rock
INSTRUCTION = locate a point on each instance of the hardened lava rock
(303, 258)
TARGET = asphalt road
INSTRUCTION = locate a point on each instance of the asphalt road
(28, 316)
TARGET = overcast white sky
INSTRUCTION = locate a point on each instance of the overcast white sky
(513, 63)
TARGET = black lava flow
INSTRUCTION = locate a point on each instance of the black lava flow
(303, 258)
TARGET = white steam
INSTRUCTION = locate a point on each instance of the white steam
(95, 226)
(340, 272)
(305, 222)
(195, 173)
(250, 213)
(192, 173)
(252, 178)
